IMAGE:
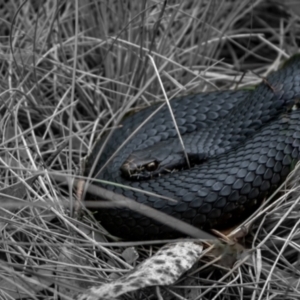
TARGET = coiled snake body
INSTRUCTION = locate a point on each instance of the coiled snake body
(242, 145)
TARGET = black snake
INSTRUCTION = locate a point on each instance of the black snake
(241, 146)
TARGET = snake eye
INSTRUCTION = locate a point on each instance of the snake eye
(151, 166)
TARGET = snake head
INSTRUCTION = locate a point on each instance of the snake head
(152, 161)
(138, 168)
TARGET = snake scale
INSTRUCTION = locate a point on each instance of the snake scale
(241, 145)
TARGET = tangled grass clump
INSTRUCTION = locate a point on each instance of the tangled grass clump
(69, 72)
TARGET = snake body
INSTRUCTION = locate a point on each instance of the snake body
(242, 144)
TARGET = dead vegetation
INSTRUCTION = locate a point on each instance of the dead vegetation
(69, 71)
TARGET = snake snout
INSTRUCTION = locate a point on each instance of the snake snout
(125, 168)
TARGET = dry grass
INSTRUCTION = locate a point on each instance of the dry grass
(69, 71)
